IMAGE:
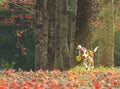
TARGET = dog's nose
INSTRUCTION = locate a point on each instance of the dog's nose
(85, 55)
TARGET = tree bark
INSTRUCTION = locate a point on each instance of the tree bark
(51, 8)
(73, 30)
(83, 34)
(106, 34)
(61, 51)
(41, 35)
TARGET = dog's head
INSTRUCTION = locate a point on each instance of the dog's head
(84, 54)
(87, 53)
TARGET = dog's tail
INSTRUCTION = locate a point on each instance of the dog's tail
(95, 49)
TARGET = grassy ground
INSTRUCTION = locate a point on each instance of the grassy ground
(96, 69)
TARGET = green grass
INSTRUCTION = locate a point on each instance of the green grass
(96, 69)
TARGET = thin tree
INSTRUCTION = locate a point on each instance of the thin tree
(73, 31)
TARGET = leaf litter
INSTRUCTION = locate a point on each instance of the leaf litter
(56, 79)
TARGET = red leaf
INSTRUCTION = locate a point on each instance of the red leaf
(5, 5)
(20, 34)
(55, 88)
(29, 2)
(11, 20)
(41, 87)
(70, 87)
(34, 80)
(27, 85)
(19, 1)
(15, 85)
(4, 20)
(36, 86)
(110, 72)
(115, 82)
(29, 16)
(109, 86)
(52, 83)
(97, 86)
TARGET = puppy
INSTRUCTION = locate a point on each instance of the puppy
(87, 57)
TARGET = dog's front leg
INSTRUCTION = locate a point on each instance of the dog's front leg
(85, 64)
(91, 63)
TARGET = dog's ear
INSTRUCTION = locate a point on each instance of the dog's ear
(91, 53)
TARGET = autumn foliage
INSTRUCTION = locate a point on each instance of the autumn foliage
(19, 13)
(59, 80)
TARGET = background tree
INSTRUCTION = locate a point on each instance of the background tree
(83, 34)
(41, 35)
(73, 32)
(51, 8)
(61, 50)
(57, 33)
(117, 32)
(106, 34)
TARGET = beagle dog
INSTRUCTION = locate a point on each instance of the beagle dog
(87, 56)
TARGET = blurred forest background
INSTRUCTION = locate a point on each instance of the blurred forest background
(17, 31)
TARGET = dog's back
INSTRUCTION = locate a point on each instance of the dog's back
(90, 53)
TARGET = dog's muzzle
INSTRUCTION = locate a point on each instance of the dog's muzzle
(84, 55)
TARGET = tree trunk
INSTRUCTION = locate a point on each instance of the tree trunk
(51, 8)
(73, 30)
(61, 51)
(83, 34)
(41, 35)
(106, 34)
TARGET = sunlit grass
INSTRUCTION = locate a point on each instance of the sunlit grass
(96, 69)
(78, 68)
